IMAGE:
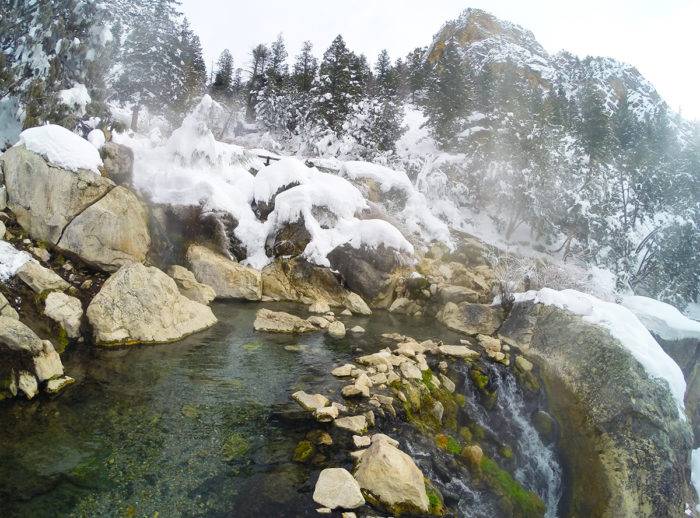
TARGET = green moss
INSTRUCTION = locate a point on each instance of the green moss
(428, 379)
(435, 500)
(235, 446)
(303, 451)
(448, 443)
(480, 379)
(466, 434)
(61, 340)
(515, 499)
(477, 431)
(506, 452)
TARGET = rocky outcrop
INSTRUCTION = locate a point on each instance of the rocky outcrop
(66, 311)
(40, 279)
(230, 280)
(471, 319)
(280, 322)
(364, 271)
(300, 281)
(118, 163)
(290, 240)
(26, 361)
(190, 287)
(109, 233)
(140, 304)
(621, 432)
(390, 478)
(45, 198)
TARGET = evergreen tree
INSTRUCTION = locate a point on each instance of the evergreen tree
(192, 70)
(259, 57)
(416, 73)
(305, 68)
(222, 87)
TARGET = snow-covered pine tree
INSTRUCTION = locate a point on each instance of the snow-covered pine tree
(221, 88)
(273, 107)
(192, 69)
(256, 82)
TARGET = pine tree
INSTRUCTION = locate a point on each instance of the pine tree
(222, 86)
(416, 72)
(259, 57)
(305, 68)
(192, 69)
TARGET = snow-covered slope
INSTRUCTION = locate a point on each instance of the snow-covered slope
(662, 319)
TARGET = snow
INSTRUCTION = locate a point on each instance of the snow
(695, 474)
(61, 147)
(623, 325)
(279, 174)
(662, 319)
(96, 137)
(10, 124)
(387, 179)
(11, 260)
(76, 98)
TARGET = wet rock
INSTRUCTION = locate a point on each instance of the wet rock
(336, 330)
(319, 307)
(346, 313)
(356, 424)
(310, 402)
(473, 455)
(3, 229)
(357, 330)
(40, 279)
(27, 384)
(57, 385)
(40, 253)
(140, 304)
(290, 240)
(110, 233)
(380, 437)
(545, 426)
(523, 364)
(471, 319)
(326, 414)
(280, 322)
(229, 279)
(392, 479)
(343, 371)
(47, 363)
(458, 351)
(403, 306)
(456, 294)
(66, 311)
(318, 321)
(16, 336)
(364, 270)
(361, 441)
(190, 287)
(447, 382)
(354, 390)
(336, 487)
(356, 304)
(410, 371)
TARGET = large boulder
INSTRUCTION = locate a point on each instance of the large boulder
(109, 233)
(364, 270)
(290, 240)
(336, 487)
(140, 304)
(390, 478)
(229, 279)
(45, 198)
(118, 162)
(189, 286)
(298, 280)
(621, 436)
(471, 319)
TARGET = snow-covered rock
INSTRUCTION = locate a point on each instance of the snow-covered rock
(61, 148)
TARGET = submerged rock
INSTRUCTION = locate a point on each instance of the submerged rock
(471, 319)
(229, 279)
(140, 304)
(336, 487)
(391, 478)
(281, 322)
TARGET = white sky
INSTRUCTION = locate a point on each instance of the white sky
(660, 37)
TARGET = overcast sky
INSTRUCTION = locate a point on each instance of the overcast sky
(660, 37)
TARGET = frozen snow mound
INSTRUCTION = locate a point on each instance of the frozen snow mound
(11, 260)
(76, 98)
(662, 319)
(61, 147)
(623, 325)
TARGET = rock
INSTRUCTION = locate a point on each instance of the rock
(471, 319)
(364, 270)
(392, 478)
(458, 351)
(86, 285)
(410, 371)
(403, 306)
(357, 330)
(320, 307)
(545, 426)
(40, 253)
(280, 322)
(16, 336)
(56, 385)
(336, 487)
(456, 294)
(346, 313)
(523, 364)
(620, 429)
(310, 402)
(323, 510)
(45, 198)
(447, 382)
(380, 437)
(355, 390)
(118, 163)
(27, 384)
(40, 279)
(336, 329)
(348, 515)
(326, 414)
(290, 240)
(356, 304)
(47, 363)
(3, 229)
(345, 370)
(66, 311)
(361, 441)
(356, 424)
(473, 455)
(190, 287)
(140, 304)
(318, 321)
(229, 279)
(3, 204)
(6, 310)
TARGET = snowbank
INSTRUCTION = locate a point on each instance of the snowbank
(662, 319)
(11, 260)
(61, 147)
(76, 98)
(96, 137)
(623, 325)
(695, 474)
